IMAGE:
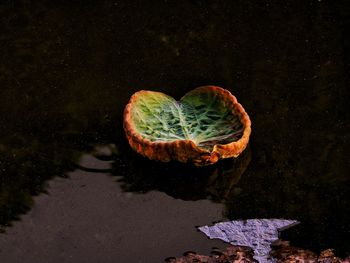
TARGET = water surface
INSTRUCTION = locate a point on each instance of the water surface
(67, 71)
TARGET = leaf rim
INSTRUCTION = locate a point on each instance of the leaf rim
(187, 150)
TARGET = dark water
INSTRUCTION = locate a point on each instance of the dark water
(67, 71)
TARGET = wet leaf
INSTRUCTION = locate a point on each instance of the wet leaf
(205, 125)
(258, 234)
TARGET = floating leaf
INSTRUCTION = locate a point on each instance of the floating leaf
(258, 234)
(206, 125)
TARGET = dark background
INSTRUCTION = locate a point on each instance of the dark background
(67, 69)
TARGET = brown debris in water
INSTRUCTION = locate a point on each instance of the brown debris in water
(282, 253)
(232, 254)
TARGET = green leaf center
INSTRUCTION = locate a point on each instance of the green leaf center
(201, 117)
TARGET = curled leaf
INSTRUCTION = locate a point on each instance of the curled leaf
(206, 125)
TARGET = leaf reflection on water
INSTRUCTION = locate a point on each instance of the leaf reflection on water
(182, 181)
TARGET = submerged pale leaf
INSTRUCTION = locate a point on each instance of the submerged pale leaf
(205, 117)
(258, 234)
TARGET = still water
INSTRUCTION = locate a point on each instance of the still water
(70, 186)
